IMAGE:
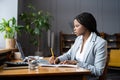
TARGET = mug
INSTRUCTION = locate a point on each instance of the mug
(17, 55)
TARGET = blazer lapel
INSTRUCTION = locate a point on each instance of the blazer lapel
(77, 46)
(90, 46)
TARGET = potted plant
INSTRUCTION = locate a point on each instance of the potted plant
(10, 28)
(36, 21)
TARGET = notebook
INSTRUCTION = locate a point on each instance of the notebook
(59, 65)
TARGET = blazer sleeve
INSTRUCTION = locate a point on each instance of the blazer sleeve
(69, 54)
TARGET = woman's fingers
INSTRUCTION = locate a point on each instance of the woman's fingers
(68, 62)
(63, 62)
(51, 60)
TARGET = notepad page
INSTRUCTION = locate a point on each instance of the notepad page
(58, 65)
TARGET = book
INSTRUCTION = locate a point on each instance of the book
(58, 65)
(5, 56)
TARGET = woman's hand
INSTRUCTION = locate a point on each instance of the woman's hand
(53, 60)
(69, 62)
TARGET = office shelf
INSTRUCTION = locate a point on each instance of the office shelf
(112, 39)
(66, 41)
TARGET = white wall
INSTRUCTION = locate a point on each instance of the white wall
(8, 9)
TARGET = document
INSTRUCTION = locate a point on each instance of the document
(58, 65)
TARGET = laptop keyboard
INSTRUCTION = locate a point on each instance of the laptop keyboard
(16, 64)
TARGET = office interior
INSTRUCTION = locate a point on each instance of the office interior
(106, 12)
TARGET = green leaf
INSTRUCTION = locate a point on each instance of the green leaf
(35, 22)
(10, 27)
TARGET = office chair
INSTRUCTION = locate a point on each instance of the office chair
(114, 62)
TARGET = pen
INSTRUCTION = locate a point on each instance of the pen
(52, 52)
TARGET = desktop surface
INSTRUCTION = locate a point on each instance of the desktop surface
(45, 73)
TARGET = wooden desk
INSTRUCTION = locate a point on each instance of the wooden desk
(6, 50)
(6, 55)
(44, 73)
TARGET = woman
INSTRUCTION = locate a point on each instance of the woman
(89, 49)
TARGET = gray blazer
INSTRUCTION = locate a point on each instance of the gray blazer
(95, 56)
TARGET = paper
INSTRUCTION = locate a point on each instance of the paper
(58, 65)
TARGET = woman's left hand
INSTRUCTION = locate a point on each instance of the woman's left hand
(69, 62)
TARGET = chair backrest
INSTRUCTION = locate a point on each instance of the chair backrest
(114, 58)
(103, 76)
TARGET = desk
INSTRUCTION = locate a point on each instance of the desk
(6, 55)
(6, 50)
(44, 73)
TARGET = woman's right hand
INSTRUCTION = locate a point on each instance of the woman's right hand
(53, 60)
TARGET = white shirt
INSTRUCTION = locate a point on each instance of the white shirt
(79, 54)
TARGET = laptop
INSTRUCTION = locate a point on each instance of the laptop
(20, 49)
(41, 60)
(17, 65)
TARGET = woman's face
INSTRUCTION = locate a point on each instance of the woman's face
(79, 29)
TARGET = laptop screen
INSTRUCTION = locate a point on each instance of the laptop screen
(20, 49)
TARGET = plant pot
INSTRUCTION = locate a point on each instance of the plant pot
(10, 43)
(39, 53)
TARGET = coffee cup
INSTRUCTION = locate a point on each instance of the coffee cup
(17, 55)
